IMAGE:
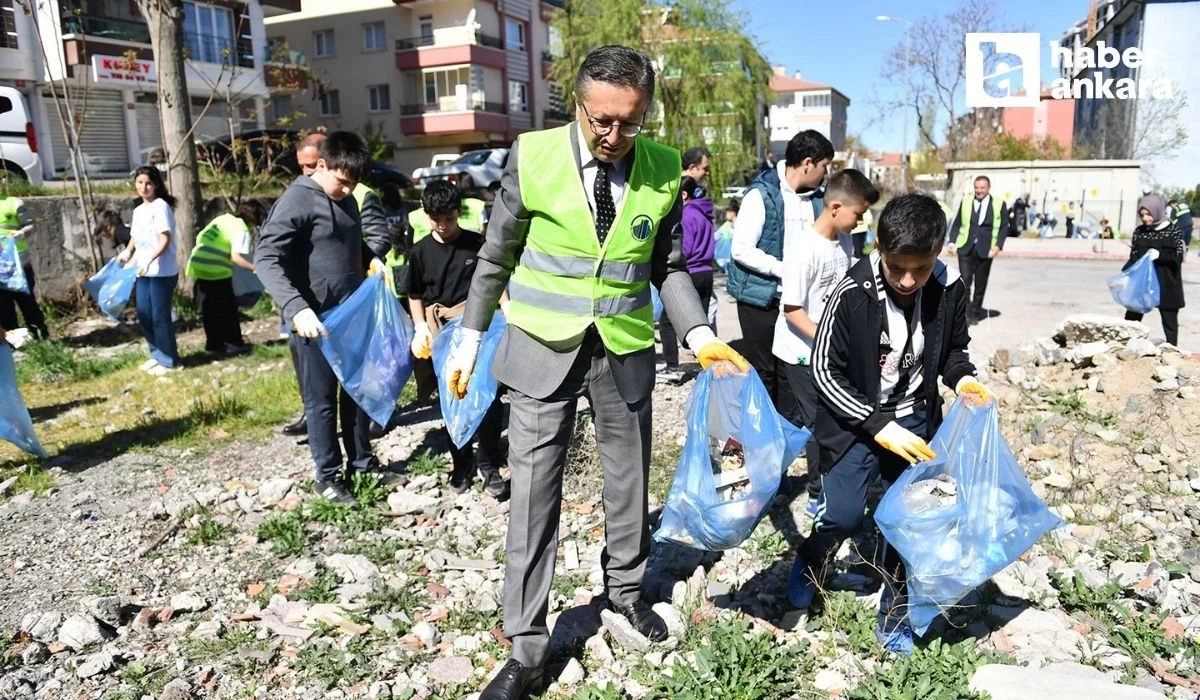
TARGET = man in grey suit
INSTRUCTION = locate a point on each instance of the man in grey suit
(591, 220)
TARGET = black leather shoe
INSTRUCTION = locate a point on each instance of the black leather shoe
(642, 618)
(300, 427)
(515, 682)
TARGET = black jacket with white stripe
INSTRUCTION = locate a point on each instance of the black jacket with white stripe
(848, 350)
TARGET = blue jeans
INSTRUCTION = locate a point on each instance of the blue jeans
(154, 297)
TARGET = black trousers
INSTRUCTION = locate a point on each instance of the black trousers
(1170, 321)
(489, 457)
(860, 241)
(758, 335)
(10, 301)
(975, 269)
(800, 378)
(219, 314)
(325, 402)
(703, 282)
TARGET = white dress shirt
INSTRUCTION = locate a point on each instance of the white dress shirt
(590, 164)
(747, 230)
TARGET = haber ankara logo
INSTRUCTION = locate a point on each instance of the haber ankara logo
(1003, 69)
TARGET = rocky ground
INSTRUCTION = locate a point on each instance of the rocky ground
(195, 574)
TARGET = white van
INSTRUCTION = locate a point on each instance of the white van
(18, 143)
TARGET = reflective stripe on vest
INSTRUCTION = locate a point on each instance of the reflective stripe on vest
(10, 221)
(966, 215)
(212, 258)
(566, 279)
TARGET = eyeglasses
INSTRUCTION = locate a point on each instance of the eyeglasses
(601, 129)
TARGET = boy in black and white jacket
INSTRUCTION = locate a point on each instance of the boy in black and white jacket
(893, 325)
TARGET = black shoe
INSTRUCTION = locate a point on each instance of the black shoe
(336, 493)
(515, 682)
(376, 431)
(299, 427)
(461, 478)
(495, 485)
(642, 618)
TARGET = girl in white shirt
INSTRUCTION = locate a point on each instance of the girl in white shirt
(152, 247)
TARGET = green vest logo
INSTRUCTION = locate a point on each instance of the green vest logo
(641, 227)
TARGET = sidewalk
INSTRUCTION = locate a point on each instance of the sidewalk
(1066, 249)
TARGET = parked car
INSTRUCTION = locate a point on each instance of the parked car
(382, 176)
(734, 192)
(472, 169)
(438, 160)
(267, 149)
(18, 142)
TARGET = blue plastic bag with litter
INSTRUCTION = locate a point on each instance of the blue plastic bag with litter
(12, 273)
(656, 300)
(723, 252)
(463, 416)
(368, 347)
(961, 517)
(247, 288)
(1137, 288)
(15, 424)
(111, 287)
(736, 451)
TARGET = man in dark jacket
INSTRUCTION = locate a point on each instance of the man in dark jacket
(310, 258)
(980, 227)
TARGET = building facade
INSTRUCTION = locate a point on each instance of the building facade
(99, 52)
(802, 104)
(1051, 119)
(427, 76)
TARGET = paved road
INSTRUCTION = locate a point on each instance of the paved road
(1029, 297)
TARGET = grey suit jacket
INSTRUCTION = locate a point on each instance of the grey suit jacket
(524, 363)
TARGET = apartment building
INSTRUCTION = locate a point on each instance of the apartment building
(100, 50)
(429, 76)
(802, 104)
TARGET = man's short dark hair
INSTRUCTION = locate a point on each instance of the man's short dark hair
(694, 156)
(617, 65)
(251, 212)
(984, 178)
(441, 198)
(808, 144)
(735, 205)
(346, 151)
(911, 224)
(851, 187)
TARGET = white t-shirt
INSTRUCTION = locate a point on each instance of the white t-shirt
(747, 230)
(902, 369)
(149, 220)
(812, 267)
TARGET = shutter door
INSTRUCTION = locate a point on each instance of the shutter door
(101, 135)
(149, 129)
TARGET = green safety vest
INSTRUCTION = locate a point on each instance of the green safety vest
(212, 258)
(10, 221)
(470, 217)
(360, 194)
(966, 214)
(391, 261)
(566, 280)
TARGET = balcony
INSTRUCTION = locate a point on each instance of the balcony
(453, 114)
(104, 27)
(210, 48)
(450, 46)
(112, 35)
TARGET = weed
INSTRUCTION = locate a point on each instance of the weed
(472, 619)
(385, 599)
(185, 308)
(327, 512)
(608, 692)
(1072, 405)
(380, 551)
(140, 679)
(286, 534)
(263, 308)
(48, 361)
(321, 588)
(1074, 594)
(1141, 636)
(939, 671)
(208, 531)
(216, 648)
(367, 490)
(566, 584)
(664, 458)
(336, 667)
(208, 411)
(34, 479)
(426, 463)
(843, 614)
(767, 545)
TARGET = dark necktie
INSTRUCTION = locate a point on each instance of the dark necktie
(606, 210)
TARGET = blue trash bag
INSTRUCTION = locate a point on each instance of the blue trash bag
(12, 273)
(952, 546)
(111, 287)
(247, 288)
(707, 508)
(723, 252)
(368, 347)
(463, 416)
(1137, 288)
(657, 301)
(15, 424)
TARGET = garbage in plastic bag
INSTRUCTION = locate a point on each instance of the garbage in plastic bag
(12, 273)
(1137, 288)
(961, 517)
(111, 287)
(247, 288)
(463, 416)
(15, 424)
(367, 347)
(723, 252)
(656, 300)
(735, 454)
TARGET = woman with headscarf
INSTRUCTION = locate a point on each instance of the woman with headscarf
(1158, 233)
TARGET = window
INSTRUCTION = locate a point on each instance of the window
(514, 34)
(8, 25)
(323, 43)
(426, 30)
(518, 96)
(281, 107)
(554, 42)
(815, 101)
(379, 98)
(208, 33)
(443, 86)
(374, 38)
(330, 105)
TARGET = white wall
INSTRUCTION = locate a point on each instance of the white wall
(1170, 30)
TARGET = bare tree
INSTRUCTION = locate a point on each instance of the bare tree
(165, 19)
(1159, 127)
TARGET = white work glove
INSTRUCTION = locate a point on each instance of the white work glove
(124, 257)
(462, 361)
(903, 442)
(307, 325)
(422, 342)
(1154, 253)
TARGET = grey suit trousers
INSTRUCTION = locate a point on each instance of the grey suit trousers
(539, 432)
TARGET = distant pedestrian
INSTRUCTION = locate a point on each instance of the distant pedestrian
(221, 246)
(696, 163)
(111, 234)
(152, 247)
(1159, 234)
(15, 221)
(698, 246)
(982, 225)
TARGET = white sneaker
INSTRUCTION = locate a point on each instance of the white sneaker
(148, 365)
(159, 370)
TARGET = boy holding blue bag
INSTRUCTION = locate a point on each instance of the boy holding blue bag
(892, 326)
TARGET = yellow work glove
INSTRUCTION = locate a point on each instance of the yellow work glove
(422, 342)
(903, 442)
(717, 351)
(462, 361)
(976, 393)
(378, 267)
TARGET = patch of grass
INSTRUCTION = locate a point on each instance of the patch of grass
(938, 671)
(384, 598)
(473, 620)
(333, 666)
(367, 490)
(34, 479)
(426, 463)
(263, 308)
(608, 692)
(185, 308)
(215, 410)
(351, 522)
(1074, 594)
(321, 588)
(208, 531)
(664, 458)
(566, 584)
(1072, 405)
(380, 551)
(767, 545)
(286, 534)
(49, 361)
(140, 679)
(1141, 636)
(212, 649)
(843, 615)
